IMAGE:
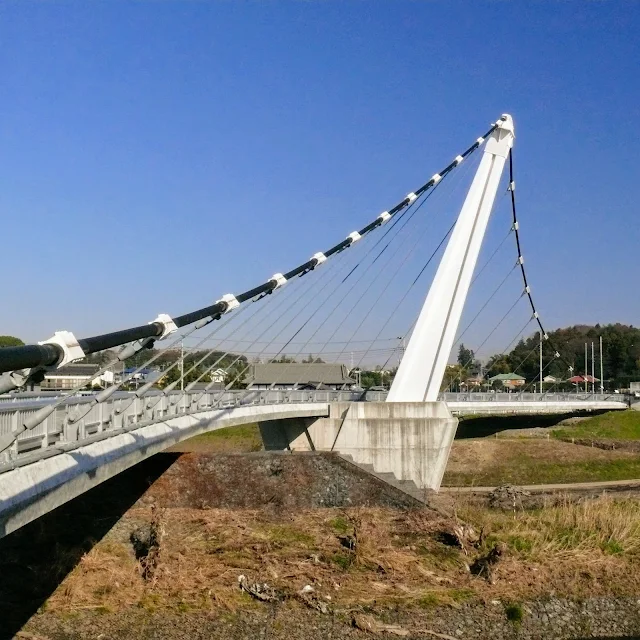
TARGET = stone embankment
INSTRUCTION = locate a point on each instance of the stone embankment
(551, 619)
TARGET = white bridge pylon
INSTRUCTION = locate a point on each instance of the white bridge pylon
(422, 368)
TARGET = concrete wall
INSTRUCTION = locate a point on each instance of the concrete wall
(410, 439)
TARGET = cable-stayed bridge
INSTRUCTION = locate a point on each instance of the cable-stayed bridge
(342, 301)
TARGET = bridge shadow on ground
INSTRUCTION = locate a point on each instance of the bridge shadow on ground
(36, 558)
(483, 426)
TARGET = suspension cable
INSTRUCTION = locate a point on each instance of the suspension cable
(50, 354)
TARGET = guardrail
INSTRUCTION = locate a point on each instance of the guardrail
(68, 427)
(531, 397)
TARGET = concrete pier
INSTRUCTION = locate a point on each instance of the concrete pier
(409, 439)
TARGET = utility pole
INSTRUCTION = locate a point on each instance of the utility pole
(593, 373)
(401, 338)
(182, 363)
(586, 366)
(601, 369)
(541, 362)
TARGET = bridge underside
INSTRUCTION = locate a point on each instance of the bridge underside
(532, 407)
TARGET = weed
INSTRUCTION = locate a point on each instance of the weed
(343, 560)
(612, 548)
(340, 524)
(514, 612)
(430, 599)
(521, 544)
(444, 556)
(461, 595)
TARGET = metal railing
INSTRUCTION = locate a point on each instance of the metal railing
(64, 429)
(471, 396)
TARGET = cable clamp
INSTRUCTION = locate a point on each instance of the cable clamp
(230, 301)
(384, 216)
(480, 140)
(515, 226)
(354, 237)
(435, 178)
(72, 351)
(535, 313)
(527, 289)
(412, 197)
(556, 354)
(546, 336)
(458, 160)
(512, 186)
(319, 258)
(278, 279)
(570, 368)
(168, 325)
(520, 260)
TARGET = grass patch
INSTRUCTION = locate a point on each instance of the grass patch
(614, 425)
(244, 438)
(284, 534)
(522, 470)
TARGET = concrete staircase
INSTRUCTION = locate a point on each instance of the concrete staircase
(408, 487)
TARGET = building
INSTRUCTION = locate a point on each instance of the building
(218, 376)
(71, 376)
(474, 382)
(312, 375)
(508, 380)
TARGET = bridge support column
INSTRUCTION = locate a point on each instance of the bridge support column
(409, 439)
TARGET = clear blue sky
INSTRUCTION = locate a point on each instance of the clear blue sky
(155, 155)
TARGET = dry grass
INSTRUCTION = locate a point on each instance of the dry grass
(596, 528)
(353, 558)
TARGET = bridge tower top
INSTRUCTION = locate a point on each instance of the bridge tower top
(422, 368)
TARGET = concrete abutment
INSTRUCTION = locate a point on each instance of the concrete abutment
(412, 440)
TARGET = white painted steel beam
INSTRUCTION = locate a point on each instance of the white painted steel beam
(422, 368)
